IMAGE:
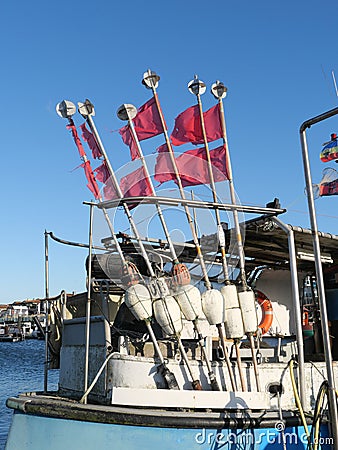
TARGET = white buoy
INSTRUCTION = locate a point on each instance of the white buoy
(213, 306)
(230, 296)
(138, 300)
(234, 324)
(168, 315)
(248, 308)
(189, 299)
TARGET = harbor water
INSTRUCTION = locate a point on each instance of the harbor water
(21, 369)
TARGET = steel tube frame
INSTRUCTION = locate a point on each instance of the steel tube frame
(296, 305)
(88, 305)
(319, 272)
(45, 381)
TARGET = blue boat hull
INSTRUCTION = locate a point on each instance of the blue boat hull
(30, 432)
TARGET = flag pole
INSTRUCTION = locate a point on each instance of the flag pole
(219, 91)
(67, 109)
(150, 80)
(128, 112)
(197, 87)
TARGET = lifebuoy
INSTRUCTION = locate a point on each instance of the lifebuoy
(267, 311)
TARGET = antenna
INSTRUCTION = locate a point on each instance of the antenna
(334, 82)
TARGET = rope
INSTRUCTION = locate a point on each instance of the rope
(298, 402)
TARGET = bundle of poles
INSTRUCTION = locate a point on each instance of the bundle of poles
(231, 309)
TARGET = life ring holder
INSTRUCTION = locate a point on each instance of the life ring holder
(267, 312)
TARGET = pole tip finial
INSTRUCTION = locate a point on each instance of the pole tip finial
(126, 111)
(86, 108)
(150, 79)
(196, 86)
(65, 109)
(218, 90)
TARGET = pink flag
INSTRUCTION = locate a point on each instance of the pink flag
(129, 140)
(103, 175)
(109, 191)
(136, 184)
(147, 124)
(188, 128)
(77, 140)
(89, 138)
(164, 170)
(92, 185)
(147, 121)
(192, 166)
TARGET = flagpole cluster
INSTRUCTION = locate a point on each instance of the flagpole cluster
(226, 308)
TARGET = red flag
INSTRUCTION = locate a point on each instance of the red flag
(103, 175)
(136, 184)
(164, 170)
(102, 172)
(77, 140)
(92, 185)
(147, 124)
(192, 166)
(89, 138)
(129, 140)
(188, 126)
(109, 191)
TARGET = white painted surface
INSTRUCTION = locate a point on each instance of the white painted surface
(190, 399)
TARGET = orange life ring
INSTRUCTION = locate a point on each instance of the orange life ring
(267, 311)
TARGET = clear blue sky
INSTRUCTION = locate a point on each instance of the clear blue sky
(276, 58)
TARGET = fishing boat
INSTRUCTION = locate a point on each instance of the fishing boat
(212, 342)
(10, 333)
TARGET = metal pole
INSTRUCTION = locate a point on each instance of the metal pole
(296, 306)
(88, 305)
(151, 83)
(219, 91)
(197, 87)
(319, 274)
(45, 384)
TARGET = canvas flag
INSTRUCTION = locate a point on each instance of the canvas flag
(103, 175)
(129, 140)
(330, 150)
(135, 184)
(147, 124)
(188, 128)
(92, 184)
(77, 140)
(192, 166)
(89, 138)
